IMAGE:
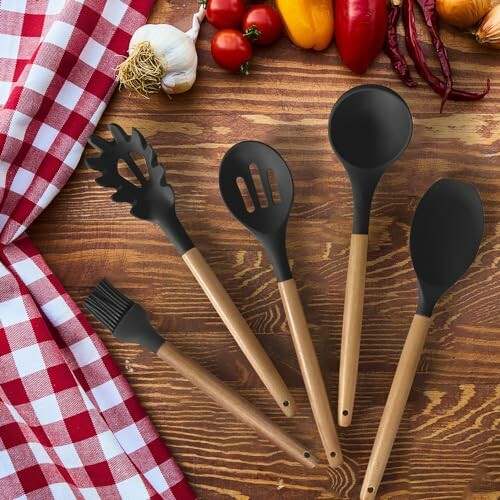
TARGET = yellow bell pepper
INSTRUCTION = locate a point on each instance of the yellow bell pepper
(309, 23)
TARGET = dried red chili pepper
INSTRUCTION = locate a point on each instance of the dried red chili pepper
(418, 56)
(429, 11)
(391, 47)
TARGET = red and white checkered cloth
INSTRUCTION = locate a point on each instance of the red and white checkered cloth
(70, 426)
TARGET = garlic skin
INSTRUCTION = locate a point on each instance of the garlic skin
(175, 51)
(462, 13)
(489, 31)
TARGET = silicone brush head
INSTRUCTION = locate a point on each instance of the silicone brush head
(127, 320)
(445, 236)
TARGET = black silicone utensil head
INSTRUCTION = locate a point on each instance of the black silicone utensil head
(151, 197)
(251, 168)
(445, 236)
(370, 126)
(126, 319)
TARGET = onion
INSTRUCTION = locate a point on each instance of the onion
(489, 31)
(462, 13)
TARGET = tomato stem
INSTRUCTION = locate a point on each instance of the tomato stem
(252, 33)
(245, 68)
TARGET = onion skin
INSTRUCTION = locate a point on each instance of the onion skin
(462, 13)
(489, 31)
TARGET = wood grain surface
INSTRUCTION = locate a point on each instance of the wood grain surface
(448, 446)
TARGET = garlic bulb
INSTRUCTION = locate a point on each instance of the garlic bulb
(462, 13)
(161, 57)
(489, 31)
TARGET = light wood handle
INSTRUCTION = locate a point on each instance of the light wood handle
(233, 403)
(395, 406)
(236, 324)
(351, 327)
(311, 373)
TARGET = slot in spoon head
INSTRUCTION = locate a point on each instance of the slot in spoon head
(370, 127)
(445, 236)
(266, 216)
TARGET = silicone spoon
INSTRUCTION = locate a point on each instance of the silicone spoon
(153, 199)
(370, 126)
(266, 217)
(445, 237)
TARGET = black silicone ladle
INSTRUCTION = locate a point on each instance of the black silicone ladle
(445, 237)
(370, 127)
(246, 167)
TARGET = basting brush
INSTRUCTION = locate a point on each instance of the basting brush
(129, 322)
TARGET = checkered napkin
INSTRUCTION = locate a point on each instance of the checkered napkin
(70, 426)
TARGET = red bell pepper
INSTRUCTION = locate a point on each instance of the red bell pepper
(360, 29)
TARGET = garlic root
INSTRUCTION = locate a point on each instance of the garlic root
(142, 71)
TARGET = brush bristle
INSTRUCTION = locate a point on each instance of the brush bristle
(108, 304)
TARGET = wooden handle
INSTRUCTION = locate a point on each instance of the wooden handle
(233, 403)
(236, 324)
(395, 406)
(351, 328)
(311, 372)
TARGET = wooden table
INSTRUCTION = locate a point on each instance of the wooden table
(449, 445)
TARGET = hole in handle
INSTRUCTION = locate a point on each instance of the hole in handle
(345, 413)
(370, 489)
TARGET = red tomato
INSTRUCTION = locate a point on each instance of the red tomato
(225, 13)
(262, 24)
(231, 50)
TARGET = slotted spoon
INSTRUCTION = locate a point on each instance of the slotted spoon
(267, 219)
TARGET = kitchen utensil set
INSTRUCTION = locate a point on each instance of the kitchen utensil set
(370, 127)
